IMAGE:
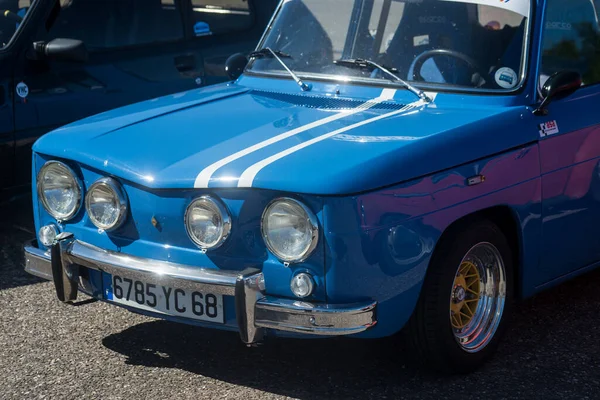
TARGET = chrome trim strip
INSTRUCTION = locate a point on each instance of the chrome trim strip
(317, 319)
(152, 271)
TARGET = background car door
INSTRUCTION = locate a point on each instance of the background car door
(139, 49)
(570, 141)
(15, 20)
(7, 144)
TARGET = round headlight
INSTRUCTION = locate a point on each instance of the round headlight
(59, 190)
(208, 222)
(290, 230)
(106, 204)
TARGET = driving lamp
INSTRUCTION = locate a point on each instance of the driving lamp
(208, 223)
(59, 190)
(302, 285)
(47, 234)
(290, 230)
(106, 204)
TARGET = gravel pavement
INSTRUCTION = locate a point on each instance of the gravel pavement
(95, 351)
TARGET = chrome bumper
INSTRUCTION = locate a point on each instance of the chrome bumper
(254, 310)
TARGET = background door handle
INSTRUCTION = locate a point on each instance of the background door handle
(185, 63)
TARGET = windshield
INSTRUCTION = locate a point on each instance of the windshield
(459, 43)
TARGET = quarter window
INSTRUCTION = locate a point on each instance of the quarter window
(213, 17)
(571, 39)
(103, 24)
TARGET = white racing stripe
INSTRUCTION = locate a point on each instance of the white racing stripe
(203, 179)
(248, 176)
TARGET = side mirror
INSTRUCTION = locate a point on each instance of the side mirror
(235, 65)
(558, 86)
(61, 50)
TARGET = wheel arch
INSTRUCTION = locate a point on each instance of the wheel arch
(508, 222)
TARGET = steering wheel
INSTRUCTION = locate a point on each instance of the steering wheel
(420, 60)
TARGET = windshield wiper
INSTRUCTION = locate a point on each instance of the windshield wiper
(278, 55)
(372, 65)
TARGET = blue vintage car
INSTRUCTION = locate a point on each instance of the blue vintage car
(65, 60)
(379, 167)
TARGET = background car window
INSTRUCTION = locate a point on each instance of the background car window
(571, 39)
(9, 22)
(105, 24)
(213, 17)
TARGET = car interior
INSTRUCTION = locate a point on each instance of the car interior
(479, 48)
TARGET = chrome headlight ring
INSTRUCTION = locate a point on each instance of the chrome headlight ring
(110, 187)
(207, 204)
(78, 193)
(312, 230)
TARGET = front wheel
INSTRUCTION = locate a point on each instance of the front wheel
(465, 301)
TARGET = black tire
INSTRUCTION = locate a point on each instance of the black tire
(430, 334)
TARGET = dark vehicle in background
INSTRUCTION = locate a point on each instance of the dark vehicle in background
(63, 60)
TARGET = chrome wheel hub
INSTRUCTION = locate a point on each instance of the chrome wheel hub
(459, 294)
(478, 296)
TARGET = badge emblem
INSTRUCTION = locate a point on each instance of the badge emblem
(506, 78)
(22, 90)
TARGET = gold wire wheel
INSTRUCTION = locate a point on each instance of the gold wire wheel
(465, 295)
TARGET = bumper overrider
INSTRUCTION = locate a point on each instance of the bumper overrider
(255, 311)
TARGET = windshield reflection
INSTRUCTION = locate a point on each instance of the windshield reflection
(460, 43)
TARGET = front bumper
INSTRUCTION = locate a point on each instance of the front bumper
(255, 311)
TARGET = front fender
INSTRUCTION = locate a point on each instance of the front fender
(379, 244)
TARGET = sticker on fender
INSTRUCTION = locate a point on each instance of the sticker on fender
(164, 300)
(548, 128)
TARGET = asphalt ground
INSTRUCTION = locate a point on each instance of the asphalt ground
(96, 351)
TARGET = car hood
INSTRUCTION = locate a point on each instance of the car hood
(230, 136)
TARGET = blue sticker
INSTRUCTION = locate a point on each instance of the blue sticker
(202, 29)
(107, 284)
(21, 13)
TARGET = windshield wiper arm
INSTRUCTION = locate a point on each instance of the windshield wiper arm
(268, 52)
(362, 63)
(276, 54)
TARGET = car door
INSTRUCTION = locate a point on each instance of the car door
(138, 50)
(7, 143)
(570, 141)
(16, 18)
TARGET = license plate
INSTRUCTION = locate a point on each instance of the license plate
(166, 300)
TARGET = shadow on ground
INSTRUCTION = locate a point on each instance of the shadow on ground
(549, 350)
(16, 227)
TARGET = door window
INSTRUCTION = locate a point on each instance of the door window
(214, 17)
(12, 12)
(571, 39)
(104, 24)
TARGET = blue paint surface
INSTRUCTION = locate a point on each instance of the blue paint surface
(384, 190)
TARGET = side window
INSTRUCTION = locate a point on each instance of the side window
(214, 17)
(105, 24)
(571, 39)
(12, 12)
